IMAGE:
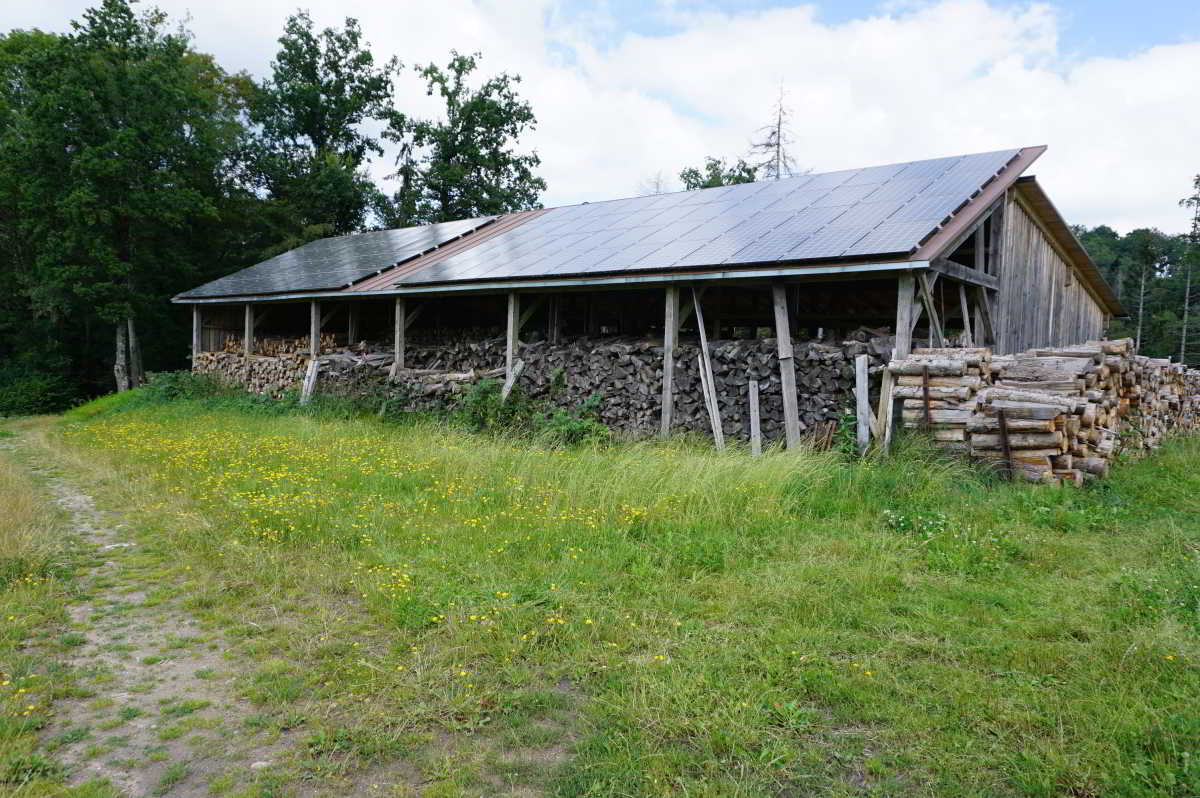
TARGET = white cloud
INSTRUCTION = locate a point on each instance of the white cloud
(913, 81)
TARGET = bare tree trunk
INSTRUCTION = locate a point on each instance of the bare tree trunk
(1187, 301)
(136, 375)
(120, 365)
(1137, 346)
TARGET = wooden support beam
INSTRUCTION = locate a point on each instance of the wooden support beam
(787, 366)
(351, 323)
(862, 402)
(248, 331)
(755, 422)
(706, 372)
(964, 273)
(529, 311)
(512, 341)
(670, 339)
(969, 339)
(554, 322)
(905, 317)
(980, 250)
(197, 327)
(412, 314)
(314, 329)
(685, 312)
(983, 311)
(936, 338)
(510, 381)
(400, 324)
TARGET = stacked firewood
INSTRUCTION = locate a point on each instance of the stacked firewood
(939, 388)
(272, 376)
(1053, 415)
(278, 347)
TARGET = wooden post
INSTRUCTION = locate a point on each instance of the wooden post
(399, 328)
(935, 322)
(706, 373)
(755, 422)
(983, 318)
(513, 344)
(310, 381)
(314, 329)
(787, 367)
(511, 380)
(905, 287)
(554, 334)
(670, 339)
(197, 333)
(966, 314)
(351, 324)
(862, 403)
(248, 332)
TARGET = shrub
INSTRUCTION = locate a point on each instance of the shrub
(26, 392)
(483, 410)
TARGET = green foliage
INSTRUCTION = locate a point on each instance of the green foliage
(483, 410)
(465, 165)
(1148, 271)
(25, 391)
(716, 172)
(312, 149)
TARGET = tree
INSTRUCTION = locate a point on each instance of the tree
(773, 146)
(1190, 260)
(311, 113)
(114, 170)
(716, 172)
(467, 164)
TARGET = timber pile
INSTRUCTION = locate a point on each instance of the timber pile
(625, 372)
(278, 347)
(939, 388)
(1052, 415)
(272, 376)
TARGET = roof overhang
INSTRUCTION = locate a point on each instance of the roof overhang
(776, 272)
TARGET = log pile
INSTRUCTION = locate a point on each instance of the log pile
(278, 347)
(272, 376)
(1051, 415)
(625, 372)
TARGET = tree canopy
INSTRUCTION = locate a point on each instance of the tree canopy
(133, 167)
(717, 172)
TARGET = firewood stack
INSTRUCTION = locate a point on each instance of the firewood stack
(940, 391)
(1052, 415)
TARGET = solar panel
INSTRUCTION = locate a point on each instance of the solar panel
(332, 263)
(880, 210)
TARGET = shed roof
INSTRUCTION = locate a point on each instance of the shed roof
(332, 263)
(854, 216)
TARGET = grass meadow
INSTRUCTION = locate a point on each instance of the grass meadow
(660, 619)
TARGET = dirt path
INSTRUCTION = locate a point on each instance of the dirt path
(155, 712)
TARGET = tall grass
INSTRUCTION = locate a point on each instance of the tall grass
(706, 624)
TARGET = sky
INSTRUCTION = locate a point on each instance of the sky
(627, 90)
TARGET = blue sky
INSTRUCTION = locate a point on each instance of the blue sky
(1090, 27)
(629, 92)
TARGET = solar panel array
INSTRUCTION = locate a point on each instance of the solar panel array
(333, 263)
(877, 211)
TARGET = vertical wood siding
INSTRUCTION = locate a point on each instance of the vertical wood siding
(1040, 301)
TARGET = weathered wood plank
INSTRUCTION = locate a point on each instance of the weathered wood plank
(512, 342)
(670, 339)
(314, 329)
(862, 403)
(755, 421)
(787, 366)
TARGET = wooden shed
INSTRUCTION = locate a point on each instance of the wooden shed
(959, 250)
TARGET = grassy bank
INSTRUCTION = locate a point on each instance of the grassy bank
(667, 620)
